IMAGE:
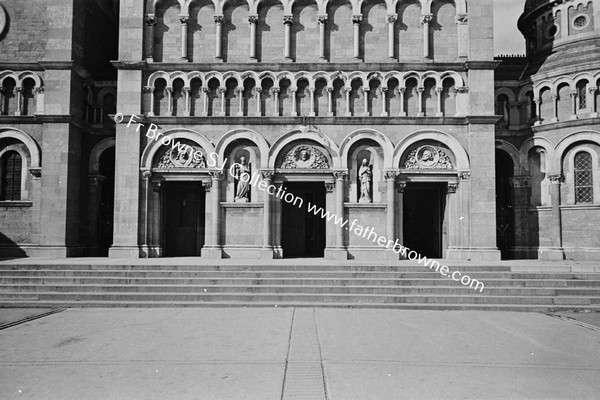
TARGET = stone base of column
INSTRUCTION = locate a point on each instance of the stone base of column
(266, 253)
(594, 115)
(253, 60)
(573, 117)
(124, 252)
(420, 114)
(218, 60)
(287, 59)
(390, 255)
(336, 253)
(551, 253)
(212, 252)
(473, 253)
(322, 59)
(151, 251)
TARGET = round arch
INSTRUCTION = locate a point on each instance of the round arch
(539, 141)
(28, 141)
(564, 144)
(290, 137)
(462, 158)
(513, 152)
(96, 153)
(176, 133)
(380, 138)
(247, 134)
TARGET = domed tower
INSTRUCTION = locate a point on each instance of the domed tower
(550, 131)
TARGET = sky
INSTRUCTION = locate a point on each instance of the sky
(507, 37)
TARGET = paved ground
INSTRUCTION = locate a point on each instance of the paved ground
(304, 354)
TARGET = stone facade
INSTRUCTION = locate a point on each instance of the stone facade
(305, 92)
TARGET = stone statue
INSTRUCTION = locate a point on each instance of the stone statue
(365, 176)
(242, 175)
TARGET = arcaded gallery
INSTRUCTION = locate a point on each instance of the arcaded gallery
(393, 114)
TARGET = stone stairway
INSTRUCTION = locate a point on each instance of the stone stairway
(280, 284)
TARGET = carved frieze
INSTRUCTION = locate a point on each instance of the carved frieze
(428, 157)
(305, 157)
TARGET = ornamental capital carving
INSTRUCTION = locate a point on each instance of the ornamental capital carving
(222, 90)
(218, 19)
(357, 18)
(18, 89)
(537, 101)
(420, 89)
(461, 19)
(554, 97)
(146, 174)
(401, 186)
(156, 186)
(520, 181)
(322, 19)
(452, 187)
(329, 89)
(275, 90)
(253, 19)
(38, 89)
(150, 19)
(169, 89)
(573, 93)
(205, 90)
(439, 90)
(555, 178)
(592, 89)
(267, 174)
(340, 175)
(184, 19)
(391, 175)
(97, 179)
(207, 186)
(384, 89)
(347, 89)
(288, 19)
(257, 90)
(426, 18)
(462, 89)
(464, 175)
(402, 90)
(391, 18)
(186, 89)
(147, 89)
(216, 174)
(36, 172)
(329, 187)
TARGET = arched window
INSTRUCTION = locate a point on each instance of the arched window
(584, 186)
(10, 176)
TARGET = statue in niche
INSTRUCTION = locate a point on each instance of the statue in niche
(365, 176)
(242, 176)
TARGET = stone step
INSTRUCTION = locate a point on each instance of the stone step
(297, 289)
(425, 273)
(302, 297)
(219, 280)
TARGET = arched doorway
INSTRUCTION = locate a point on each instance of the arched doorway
(107, 201)
(504, 203)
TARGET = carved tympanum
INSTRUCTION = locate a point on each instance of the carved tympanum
(305, 156)
(428, 157)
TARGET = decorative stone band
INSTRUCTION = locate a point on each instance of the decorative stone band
(520, 181)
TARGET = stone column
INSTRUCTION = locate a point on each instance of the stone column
(204, 101)
(438, 92)
(257, 92)
(156, 249)
(339, 252)
(391, 20)
(150, 108)
(591, 102)
(574, 103)
(356, 19)
(366, 101)
(421, 113)
(19, 93)
(294, 104)
(253, 20)
(267, 248)
(187, 91)
(94, 199)
(184, 35)
(169, 91)
(218, 33)
(150, 20)
(521, 196)
(145, 251)
(222, 91)
(240, 93)
(348, 90)
(213, 248)
(556, 251)
(322, 19)
(454, 223)
(330, 101)
(1, 100)
(400, 204)
(275, 91)
(463, 34)
(312, 112)
(402, 91)
(383, 92)
(425, 20)
(390, 180)
(287, 26)
(555, 107)
(538, 111)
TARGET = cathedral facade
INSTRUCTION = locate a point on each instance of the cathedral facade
(392, 114)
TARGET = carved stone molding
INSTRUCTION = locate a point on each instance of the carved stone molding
(428, 157)
(305, 156)
(452, 187)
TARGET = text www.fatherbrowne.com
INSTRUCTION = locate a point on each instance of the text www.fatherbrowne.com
(354, 227)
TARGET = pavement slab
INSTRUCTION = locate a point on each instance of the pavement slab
(302, 353)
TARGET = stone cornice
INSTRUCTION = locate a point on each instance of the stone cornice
(482, 64)
(591, 122)
(46, 66)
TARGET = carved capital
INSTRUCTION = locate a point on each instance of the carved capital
(340, 175)
(592, 89)
(216, 174)
(147, 89)
(347, 89)
(207, 186)
(275, 90)
(97, 179)
(356, 18)
(38, 89)
(257, 90)
(146, 174)
(218, 19)
(36, 172)
(267, 174)
(461, 19)
(322, 19)
(222, 90)
(384, 89)
(439, 90)
(464, 175)
(452, 187)
(205, 90)
(150, 19)
(573, 93)
(401, 186)
(329, 187)
(186, 89)
(555, 178)
(420, 89)
(184, 19)
(402, 90)
(392, 18)
(156, 186)
(462, 89)
(537, 101)
(253, 19)
(426, 18)
(288, 19)
(390, 175)
(554, 97)
(18, 89)
(329, 89)
(169, 89)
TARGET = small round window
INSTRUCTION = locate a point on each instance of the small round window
(551, 31)
(580, 22)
